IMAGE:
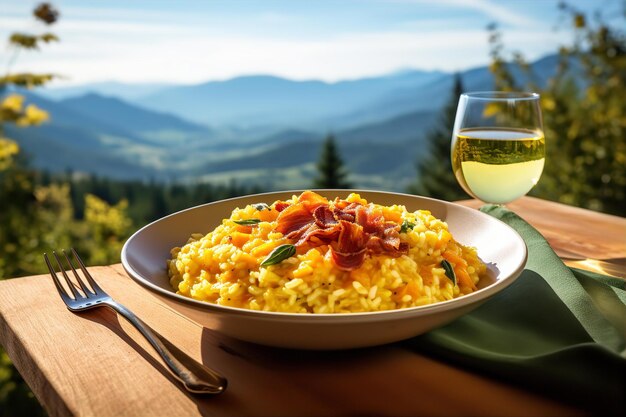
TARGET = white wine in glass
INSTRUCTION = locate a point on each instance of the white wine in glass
(498, 145)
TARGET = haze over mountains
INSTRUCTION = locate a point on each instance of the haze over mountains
(257, 129)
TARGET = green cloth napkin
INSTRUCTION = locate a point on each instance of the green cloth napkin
(556, 330)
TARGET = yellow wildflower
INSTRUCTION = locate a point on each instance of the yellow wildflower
(32, 116)
(8, 148)
(36, 115)
(13, 103)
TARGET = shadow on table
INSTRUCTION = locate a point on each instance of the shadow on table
(111, 320)
(273, 381)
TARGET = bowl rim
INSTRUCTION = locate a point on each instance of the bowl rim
(468, 299)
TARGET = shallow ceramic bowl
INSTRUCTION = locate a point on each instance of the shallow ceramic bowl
(499, 246)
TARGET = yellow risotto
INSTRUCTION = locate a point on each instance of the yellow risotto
(311, 255)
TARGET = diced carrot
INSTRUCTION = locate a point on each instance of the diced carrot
(248, 259)
(464, 278)
(314, 255)
(228, 276)
(303, 270)
(426, 272)
(399, 292)
(264, 249)
(267, 215)
(239, 238)
(412, 289)
(453, 258)
(460, 269)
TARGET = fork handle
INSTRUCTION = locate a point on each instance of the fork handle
(196, 378)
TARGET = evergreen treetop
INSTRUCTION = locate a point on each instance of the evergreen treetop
(330, 167)
(434, 167)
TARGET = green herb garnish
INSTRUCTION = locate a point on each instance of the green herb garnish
(449, 271)
(279, 254)
(406, 226)
(261, 207)
(247, 222)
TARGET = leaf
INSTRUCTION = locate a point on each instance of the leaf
(26, 79)
(447, 267)
(279, 254)
(261, 207)
(23, 40)
(247, 222)
(46, 13)
(406, 226)
(49, 37)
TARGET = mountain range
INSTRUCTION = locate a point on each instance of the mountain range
(261, 129)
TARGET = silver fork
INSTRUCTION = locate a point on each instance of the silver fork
(196, 378)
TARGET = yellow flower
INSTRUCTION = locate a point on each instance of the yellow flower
(8, 148)
(548, 103)
(32, 116)
(13, 103)
(35, 115)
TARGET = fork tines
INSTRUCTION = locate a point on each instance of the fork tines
(73, 293)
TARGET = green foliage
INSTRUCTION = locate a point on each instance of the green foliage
(330, 167)
(584, 115)
(16, 399)
(24, 223)
(435, 177)
(26, 80)
(48, 15)
(146, 201)
(27, 41)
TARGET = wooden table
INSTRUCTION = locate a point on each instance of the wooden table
(98, 364)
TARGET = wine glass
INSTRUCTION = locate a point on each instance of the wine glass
(498, 146)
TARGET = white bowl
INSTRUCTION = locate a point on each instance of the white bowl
(145, 253)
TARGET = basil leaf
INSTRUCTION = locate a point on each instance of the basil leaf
(247, 222)
(406, 226)
(449, 271)
(261, 207)
(279, 254)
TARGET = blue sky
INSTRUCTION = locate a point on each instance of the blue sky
(189, 41)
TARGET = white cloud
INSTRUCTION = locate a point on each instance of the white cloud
(188, 60)
(151, 47)
(495, 10)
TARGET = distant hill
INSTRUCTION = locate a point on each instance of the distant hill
(406, 127)
(434, 95)
(75, 140)
(62, 148)
(124, 115)
(125, 91)
(272, 129)
(247, 101)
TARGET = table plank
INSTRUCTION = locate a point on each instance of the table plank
(571, 231)
(53, 349)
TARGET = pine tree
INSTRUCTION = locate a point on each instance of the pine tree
(331, 171)
(434, 169)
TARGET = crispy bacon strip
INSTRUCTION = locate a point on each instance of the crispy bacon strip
(324, 236)
(293, 218)
(324, 217)
(311, 200)
(350, 251)
(353, 230)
